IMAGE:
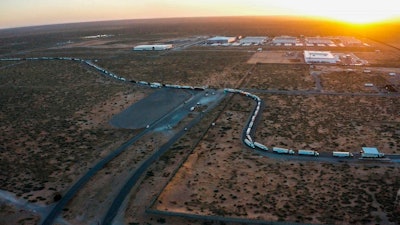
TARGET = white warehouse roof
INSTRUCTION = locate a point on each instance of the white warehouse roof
(152, 47)
(253, 40)
(285, 40)
(319, 57)
(221, 39)
(318, 40)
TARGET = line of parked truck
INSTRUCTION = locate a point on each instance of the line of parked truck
(280, 150)
(248, 140)
(110, 74)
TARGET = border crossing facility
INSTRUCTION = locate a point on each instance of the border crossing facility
(319, 57)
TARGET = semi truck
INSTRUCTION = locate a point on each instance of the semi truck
(372, 155)
(155, 85)
(308, 152)
(342, 154)
(260, 146)
(282, 150)
(249, 143)
(371, 152)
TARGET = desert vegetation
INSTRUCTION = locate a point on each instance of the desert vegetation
(330, 123)
(226, 179)
(281, 77)
(54, 125)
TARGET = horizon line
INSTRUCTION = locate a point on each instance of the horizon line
(392, 20)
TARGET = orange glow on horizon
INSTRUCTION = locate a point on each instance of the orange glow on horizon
(36, 12)
(352, 12)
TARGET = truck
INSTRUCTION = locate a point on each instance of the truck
(282, 150)
(342, 154)
(371, 152)
(260, 146)
(308, 152)
(249, 143)
(155, 85)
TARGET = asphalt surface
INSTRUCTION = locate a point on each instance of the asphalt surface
(173, 113)
(49, 219)
(316, 92)
(135, 177)
(150, 109)
(183, 109)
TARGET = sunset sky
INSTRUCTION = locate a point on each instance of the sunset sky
(16, 13)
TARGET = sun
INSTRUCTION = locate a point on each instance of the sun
(355, 12)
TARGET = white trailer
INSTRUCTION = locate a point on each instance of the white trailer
(282, 150)
(371, 152)
(308, 152)
(368, 155)
(249, 143)
(155, 85)
(342, 154)
(260, 146)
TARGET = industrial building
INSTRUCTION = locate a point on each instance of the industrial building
(319, 57)
(221, 40)
(318, 40)
(285, 40)
(350, 41)
(253, 40)
(152, 47)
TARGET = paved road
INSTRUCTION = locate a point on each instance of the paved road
(316, 92)
(123, 193)
(49, 219)
(100, 165)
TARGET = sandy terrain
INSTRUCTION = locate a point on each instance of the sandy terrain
(227, 179)
(267, 56)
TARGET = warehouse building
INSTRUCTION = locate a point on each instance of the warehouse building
(318, 40)
(152, 47)
(253, 40)
(221, 40)
(350, 41)
(285, 40)
(319, 57)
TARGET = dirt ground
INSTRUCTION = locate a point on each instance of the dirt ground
(227, 179)
(277, 57)
(54, 125)
(60, 120)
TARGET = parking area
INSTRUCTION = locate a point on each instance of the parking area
(150, 109)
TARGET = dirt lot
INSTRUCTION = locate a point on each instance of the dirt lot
(227, 179)
(286, 57)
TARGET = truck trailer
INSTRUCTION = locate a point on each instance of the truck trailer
(282, 150)
(342, 154)
(260, 146)
(371, 152)
(249, 143)
(308, 152)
